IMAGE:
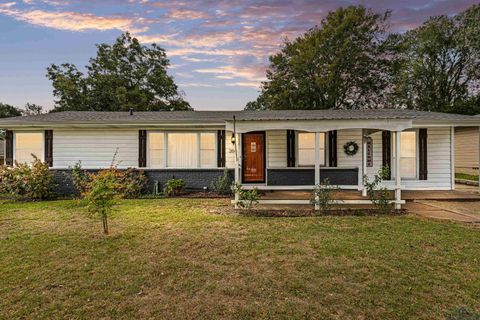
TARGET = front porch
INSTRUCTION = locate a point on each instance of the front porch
(297, 156)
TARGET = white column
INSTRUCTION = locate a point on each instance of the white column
(317, 158)
(237, 165)
(452, 157)
(364, 162)
(398, 191)
(317, 161)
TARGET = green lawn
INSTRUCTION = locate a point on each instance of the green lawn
(465, 176)
(175, 259)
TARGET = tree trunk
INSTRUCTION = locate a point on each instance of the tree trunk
(105, 224)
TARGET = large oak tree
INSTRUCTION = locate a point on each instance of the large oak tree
(438, 65)
(125, 75)
(341, 64)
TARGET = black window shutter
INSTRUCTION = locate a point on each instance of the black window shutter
(291, 148)
(422, 147)
(9, 148)
(142, 148)
(49, 147)
(332, 148)
(221, 148)
(387, 152)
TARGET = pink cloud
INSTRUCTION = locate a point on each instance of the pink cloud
(72, 21)
(186, 14)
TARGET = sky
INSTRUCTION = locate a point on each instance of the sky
(218, 49)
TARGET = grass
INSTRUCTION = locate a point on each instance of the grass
(465, 176)
(174, 259)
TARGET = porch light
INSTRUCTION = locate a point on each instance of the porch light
(232, 139)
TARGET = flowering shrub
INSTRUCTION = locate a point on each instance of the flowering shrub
(33, 181)
(130, 182)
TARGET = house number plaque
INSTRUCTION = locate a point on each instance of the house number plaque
(369, 152)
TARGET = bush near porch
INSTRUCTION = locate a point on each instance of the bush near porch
(174, 259)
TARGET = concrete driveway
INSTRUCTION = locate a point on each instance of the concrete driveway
(461, 211)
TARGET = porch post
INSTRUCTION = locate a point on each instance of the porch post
(398, 179)
(364, 162)
(452, 157)
(317, 162)
(237, 165)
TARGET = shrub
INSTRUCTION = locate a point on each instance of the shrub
(101, 192)
(79, 178)
(34, 181)
(223, 184)
(131, 182)
(174, 187)
(380, 197)
(322, 195)
(246, 198)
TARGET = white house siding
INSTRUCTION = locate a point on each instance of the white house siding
(2, 152)
(466, 150)
(95, 148)
(344, 136)
(229, 151)
(439, 162)
(276, 148)
(439, 165)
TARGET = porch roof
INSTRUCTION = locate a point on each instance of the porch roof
(152, 118)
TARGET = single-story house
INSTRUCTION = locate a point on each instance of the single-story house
(467, 150)
(270, 150)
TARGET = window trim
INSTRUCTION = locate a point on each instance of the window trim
(297, 145)
(42, 133)
(165, 150)
(417, 158)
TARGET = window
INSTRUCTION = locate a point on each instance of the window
(208, 157)
(27, 144)
(306, 149)
(156, 147)
(182, 150)
(408, 154)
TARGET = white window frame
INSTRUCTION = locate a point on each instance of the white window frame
(42, 133)
(165, 144)
(149, 153)
(417, 156)
(325, 148)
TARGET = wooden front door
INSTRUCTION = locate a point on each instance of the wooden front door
(253, 147)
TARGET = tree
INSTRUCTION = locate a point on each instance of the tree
(32, 109)
(101, 194)
(438, 66)
(7, 111)
(342, 64)
(123, 76)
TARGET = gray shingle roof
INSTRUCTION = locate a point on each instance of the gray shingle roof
(210, 117)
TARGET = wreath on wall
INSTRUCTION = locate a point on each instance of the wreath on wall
(350, 148)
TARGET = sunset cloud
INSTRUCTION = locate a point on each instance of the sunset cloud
(71, 21)
(211, 44)
(186, 14)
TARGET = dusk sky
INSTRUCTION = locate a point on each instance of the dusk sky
(218, 49)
